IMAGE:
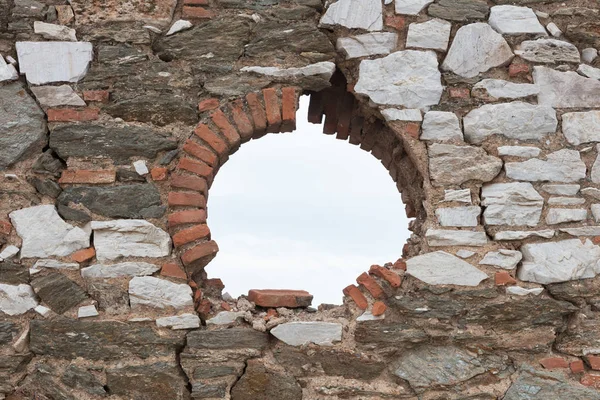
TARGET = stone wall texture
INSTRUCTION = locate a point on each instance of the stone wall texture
(115, 117)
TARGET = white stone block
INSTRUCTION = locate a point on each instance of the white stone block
(129, 238)
(441, 268)
(177, 322)
(441, 126)
(369, 44)
(433, 34)
(16, 299)
(359, 14)
(87, 311)
(303, 333)
(513, 20)
(130, 268)
(159, 293)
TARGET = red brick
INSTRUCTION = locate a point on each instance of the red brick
(257, 111)
(202, 252)
(359, 299)
(400, 264)
(208, 104)
(101, 96)
(596, 240)
(195, 2)
(594, 362)
(577, 366)
(518, 69)
(378, 308)
(204, 308)
(5, 227)
(187, 217)
(554, 362)
(197, 13)
(190, 182)
(371, 285)
(226, 128)
(412, 129)
(83, 255)
(196, 167)
(395, 21)
(459, 93)
(504, 278)
(159, 173)
(191, 234)
(225, 306)
(393, 279)
(87, 176)
(280, 298)
(244, 126)
(591, 380)
(272, 110)
(199, 151)
(186, 199)
(173, 270)
(211, 138)
(288, 109)
(72, 115)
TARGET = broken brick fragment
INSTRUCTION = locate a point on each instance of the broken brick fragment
(378, 308)
(83, 255)
(503, 278)
(577, 366)
(173, 270)
(554, 362)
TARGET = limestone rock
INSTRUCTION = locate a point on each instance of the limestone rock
(459, 10)
(516, 120)
(582, 231)
(87, 311)
(178, 26)
(433, 34)
(22, 125)
(533, 384)
(591, 192)
(513, 203)
(226, 318)
(548, 51)
(505, 259)
(449, 164)
(54, 32)
(476, 48)
(303, 333)
(183, 321)
(406, 78)
(520, 235)
(323, 70)
(446, 237)
(258, 383)
(408, 114)
(111, 298)
(441, 268)
(46, 62)
(595, 174)
(562, 190)
(410, 7)
(56, 96)
(519, 151)
(458, 216)
(494, 89)
(45, 234)
(561, 166)
(157, 381)
(369, 44)
(560, 215)
(159, 293)
(559, 261)
(589, 55)
(129, 238)
(16, 299)
(565, 201)
(588, 71)
(360, 14)
(8, 72)
(581, 127)
(462, 195)
(131, 268)
(54, 264)
(441, 126)
(566, 89)
(513, 20)
(462, 253)
(519, 291)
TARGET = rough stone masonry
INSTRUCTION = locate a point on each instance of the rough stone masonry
(116, 116)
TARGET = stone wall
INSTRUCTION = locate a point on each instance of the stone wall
(116, 116)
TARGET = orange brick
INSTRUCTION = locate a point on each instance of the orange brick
(199, 151)
(187, 217)
(393, 279)
(211, 138)
(186, 199)
(226, 128)
(196, 167)
(503, 278)
(280, 298)
(594, 362)
(378, 308)
(5, 227)
(412, 129)
(159, 173)
(190, 182)
(242, 121)
(173, 270)
(72, 115)
(100, 96)
(554, 362)
(359, 299)
(400, 264)
(459, 93)
(203, 253)
(577, 366)
(208, 104)
(257, 111)
(191, 234)
(272, 110)
(370, 284)
(83, 255)
(288, 109)
(87, 176)
(591, 380)
(197, 13)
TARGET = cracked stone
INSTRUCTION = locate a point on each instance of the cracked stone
(561, 166)
(581, 127)
(258, 383)
(433, 34)
(514, 203)
(16, 299)
(369, 44)
(359, 14)
(454, 165)
(159, 293)
(548, 51)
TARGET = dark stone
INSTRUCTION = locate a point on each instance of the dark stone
(209, 391)
(459, 10)
(258, 383)
(298, 13)
(9, 365)
(316, 4)
(588, 33)
(28, 8)
(7, 331)
(114, 31)
(58, 292)
(51, 14)
(42, 383)
(77, 378)
(46, 187)
(207, 371)
(235, 85)
(105, 340)
(116, 142)
(160, 110)
(120, 54)
(126, 175)
(49, 164)
(13, 273)
(248, 4)
(375, 332)
(127, 201)
(168, 157)
(581, 335)
(523, 2)
(533, 384)
(71, 214)
(235, 338)
(580, 291)
(111, 298)
(278, 39)
(147, 382)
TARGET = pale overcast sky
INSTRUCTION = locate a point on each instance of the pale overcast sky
(303, 210)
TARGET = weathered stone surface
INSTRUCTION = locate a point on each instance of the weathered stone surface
(156, 381)
(54, 264)
(519, 291)
(87, 311)
(178, 26)
(533, 384)
(22, 125)
(459, 10)
(581, 127)
(183, 321)
(280, 298)
(78, 378)
(45, 234)
(154, 12)
(433, 34)
(116, 142)
(313, 76)
(520, 235)
(362, 14)
(519, 151)
(476, 48)
(561, 166)
(159, 293)
(129, 238)
(58, 292)
(560, 215)
(516, 120)
(449, 164)
(562, 190)
(158, 109)
(132, 268)
(16, 299)
(430, 367)
(410, 7)
(494, 89)
(588, 71)
(441, 126)
(506, 259)
(585, 32)
(7, 331)
(461, 195)
(111, 298)
(407, 114)
(559, 261)
(589, 55)
(406, 78)
(547, 51)
(441, 268)
(226, 318)
(368, 44)
(54, 32)
(303, 333)
(106, 340)
(234, 338)
(55, 96)
(565, 201)
(458, 216)
(566, 89)
(258, 383)
(13, 273)
(47, 62)
(447, 237)
(512, 20)
(8, 72)
(514, 204)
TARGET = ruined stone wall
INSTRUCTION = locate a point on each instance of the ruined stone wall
(115, 117)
